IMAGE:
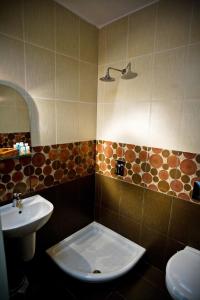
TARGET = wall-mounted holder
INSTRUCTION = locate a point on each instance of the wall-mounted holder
(120, 167)
(196, 191)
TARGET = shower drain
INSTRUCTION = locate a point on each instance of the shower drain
(96, 272)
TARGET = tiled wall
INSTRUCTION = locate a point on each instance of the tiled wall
(48, 166)
(160, 107)
(159, 222)
(162, 170)
(14, 115)
(9, 139)
(51, 55)
(73, 209)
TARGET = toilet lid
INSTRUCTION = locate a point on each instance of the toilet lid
(183, 274)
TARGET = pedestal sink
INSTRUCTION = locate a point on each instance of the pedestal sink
(23, 223)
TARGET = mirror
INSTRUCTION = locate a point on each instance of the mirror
(14, 117)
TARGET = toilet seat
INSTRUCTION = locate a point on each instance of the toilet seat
(183, 275)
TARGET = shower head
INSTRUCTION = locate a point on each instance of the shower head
(107, 77)
(126, 74)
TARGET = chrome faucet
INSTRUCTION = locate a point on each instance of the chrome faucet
(17, 201)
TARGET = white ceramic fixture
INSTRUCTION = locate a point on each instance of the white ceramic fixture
(96, 253)
(24, 222)
(183, 275)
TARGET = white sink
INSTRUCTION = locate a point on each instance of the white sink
(23, 223)
(35, 213)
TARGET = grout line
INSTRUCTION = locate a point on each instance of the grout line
(12, 36)
(127, 38)
(152, 72)
(29, 104)
(170, 217)
(150, 53)
(45, 48)
(190, 26)
(142, 215)
(55, 62)
(127, 14)
(63, 100)
(79, 55)
(23, 33)
(155, 100)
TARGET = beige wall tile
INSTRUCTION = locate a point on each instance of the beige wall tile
(14, 115)
(114, 91)
(140, 88)
(169, 74)
(142, 31)
(86, 118)
(88, 42)
(116, 40)
(12, 61)
(67, 78)
(67, 32)
(23, 119)
(135, 125)
(43, 126)
(189, 136)
(11, 16)
(40, 70)
(165, 124)
(113, 117)
(173, 23)
(9, 96)
(39, 22)
(8, 120)
(100, 84)
(192, 72)
(88, 82)
(195, 28)
(66, 120)
(100, 109)
(102, 46)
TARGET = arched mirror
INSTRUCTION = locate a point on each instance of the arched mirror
(14, 118)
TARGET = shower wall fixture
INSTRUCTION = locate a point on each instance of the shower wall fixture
(126, 73)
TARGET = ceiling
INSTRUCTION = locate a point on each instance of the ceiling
(103, 12)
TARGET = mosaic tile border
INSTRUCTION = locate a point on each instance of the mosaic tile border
(9, 139)
(162, 170)
(48, 166)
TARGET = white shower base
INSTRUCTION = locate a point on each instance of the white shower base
(96, 253)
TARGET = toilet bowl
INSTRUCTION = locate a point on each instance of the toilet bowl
(183, 275)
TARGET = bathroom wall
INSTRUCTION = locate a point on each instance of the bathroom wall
(155, 116)
(50, 55)
(160, 107)
(151, 122)
(161, 223)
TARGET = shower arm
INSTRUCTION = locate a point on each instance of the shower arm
(123, 71)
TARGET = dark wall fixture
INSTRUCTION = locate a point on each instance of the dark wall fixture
(120, 167)
(196, 191)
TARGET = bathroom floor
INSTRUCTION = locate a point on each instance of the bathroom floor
(47, 281)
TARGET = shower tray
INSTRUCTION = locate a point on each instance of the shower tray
(95, 254)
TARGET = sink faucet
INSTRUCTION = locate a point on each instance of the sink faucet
(17, 201)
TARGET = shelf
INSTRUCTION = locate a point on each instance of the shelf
(15, 156)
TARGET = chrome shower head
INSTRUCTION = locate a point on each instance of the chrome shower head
(126, 74)
(107, 77)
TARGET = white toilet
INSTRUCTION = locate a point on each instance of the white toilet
(183, 275)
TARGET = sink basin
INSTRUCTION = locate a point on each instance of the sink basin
(23, 223)
(35, 213)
